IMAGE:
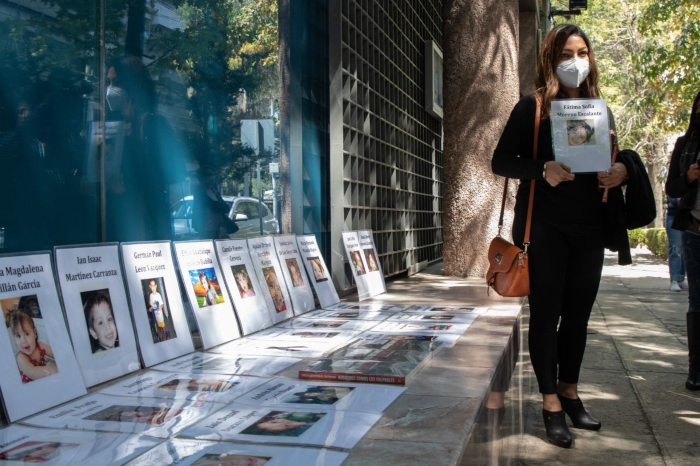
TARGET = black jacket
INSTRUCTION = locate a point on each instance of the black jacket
(684, 154)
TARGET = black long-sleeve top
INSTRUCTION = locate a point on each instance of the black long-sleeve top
(684, 154)
(572, 205)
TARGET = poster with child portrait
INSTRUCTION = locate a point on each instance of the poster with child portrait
(97, 310)
(186, 452)
(37, 363)
(581, 134)
(206, 292)
(242, 281)
(156, 306)
(294, 274)
(358, 246)
(269, 271)
(299, 425)
(317, 270)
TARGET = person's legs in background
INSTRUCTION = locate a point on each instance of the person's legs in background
(676, 265)
(691, 252)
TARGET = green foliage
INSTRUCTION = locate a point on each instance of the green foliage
(657, 242)
(637, 237)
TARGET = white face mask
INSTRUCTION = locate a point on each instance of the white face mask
(572, 73)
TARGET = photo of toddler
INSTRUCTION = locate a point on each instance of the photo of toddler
(243, 283)
(579, 132)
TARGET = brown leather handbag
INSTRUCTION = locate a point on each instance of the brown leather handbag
(509, 274)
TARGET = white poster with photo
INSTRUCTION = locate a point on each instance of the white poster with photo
(156, 304)
(286, 393)
(245, 288)
(147, 416)
(185, 452)
(581, 134)
(210, 363)
(207, 292)
(294, 275)
(375, 275)
(317, 270)
(304, 334)
(97, 311)
(20, 445)
(422, 326)
(447, 340)
(184, 386)
(434, 317)
(328, 324)
(478, 310)
(269, 271)
(351, 242)
(294, 425)
(348, 314)
(368, 307)
(290, 348)
(38, 369)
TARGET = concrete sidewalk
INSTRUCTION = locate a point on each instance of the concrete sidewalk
(632, 379)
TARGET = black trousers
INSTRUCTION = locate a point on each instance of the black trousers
(565, 270)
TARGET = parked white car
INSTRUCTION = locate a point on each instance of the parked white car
(245, 211)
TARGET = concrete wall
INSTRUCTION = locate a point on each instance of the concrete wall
(481, 85)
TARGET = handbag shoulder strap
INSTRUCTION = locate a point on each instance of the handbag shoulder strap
(526, 240)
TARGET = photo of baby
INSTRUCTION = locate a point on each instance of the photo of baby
(227, 459)
(34, 452)
(243, 282)
(206, 287)
(28, 337)
(198, 385)
(438, 317)
(318, 269)
(99, 318)
(159, 318)
(580, 132)
(294, 272)
(319, 395)
(154, 415)
(371, 260)
(282, 423)
(275, 291)
(356, 259)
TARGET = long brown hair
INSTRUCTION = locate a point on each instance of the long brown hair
(546, 80)
(692, 130)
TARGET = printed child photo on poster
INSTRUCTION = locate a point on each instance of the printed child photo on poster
(159, 318)
(198, 385)
(35, 452)
(319, 395)
(580, 132)
(294, 272)
(206, 287)
(318, 269)
(99, 319)
(371, 260)
(274, 286)
(243, 281)
(153, 415)
(28, 337)
(282, 423)
(356, 259)
(227, 459)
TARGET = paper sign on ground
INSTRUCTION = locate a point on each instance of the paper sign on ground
(294, 275)
(348, 315)
(581, 134)
(38, 369)
(156, 305)
(184, 452)
(210, 363)
(185, 386)
(367, 307)
(434, 317)
(448, 340)
(317, 270)
(207, 292)
(97, 310)
(448, 309)
(22, 445)
(147, 416)
(421, 326)
(294, 334)
(269, 272)
(285, 393)
(329, 324)
(291, 348)
(245, 289)
(295, 425)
